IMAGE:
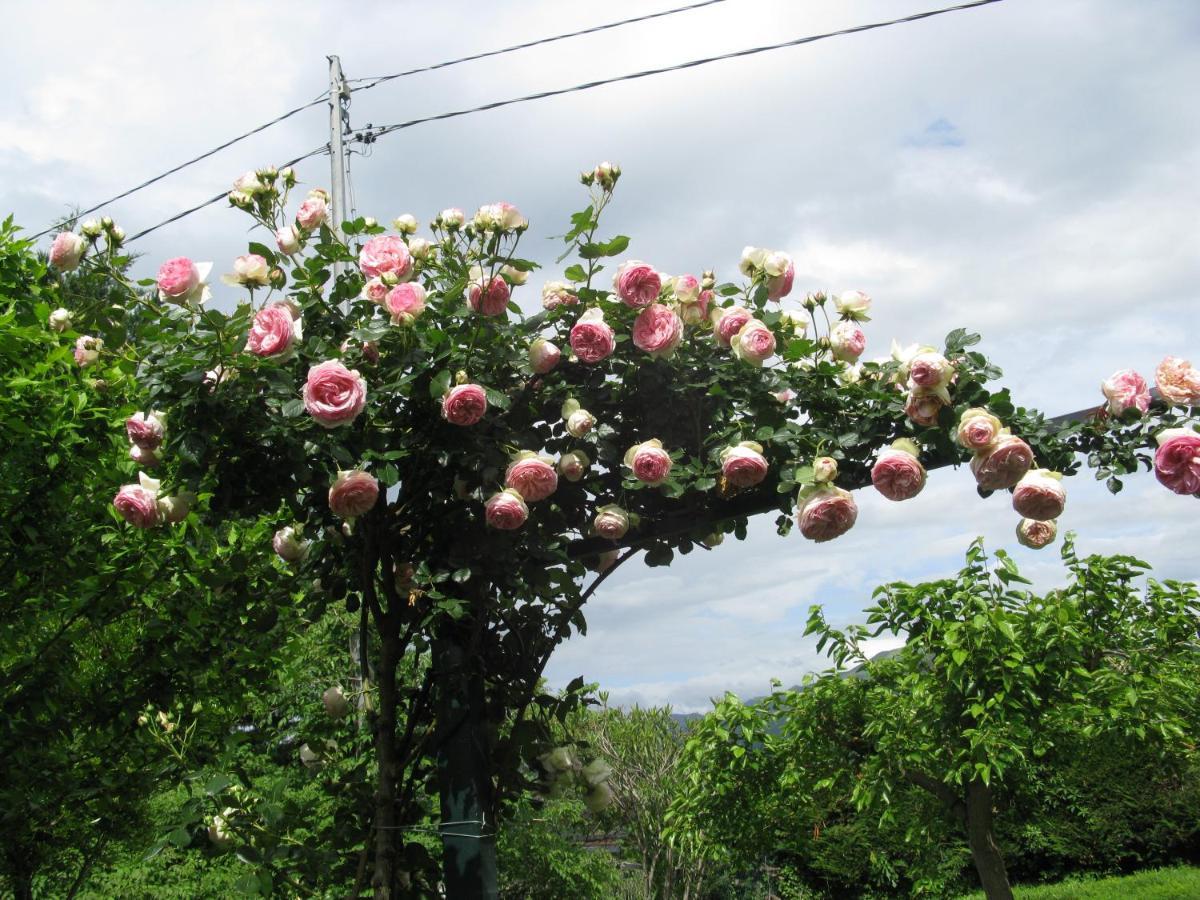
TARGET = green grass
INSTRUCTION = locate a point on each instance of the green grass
(1177, 883)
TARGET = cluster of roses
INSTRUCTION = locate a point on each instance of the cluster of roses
(1177, 460)
(67, 251)
(140, 504)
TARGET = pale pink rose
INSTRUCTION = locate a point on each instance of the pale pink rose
(178, 278)
(532, 477)
(386, 254)
(557, 293)
(146, 459)
(87, 350)
(744, 465)
(657, 330)
(499, 217)
(66, 252)
(592, 340)
(787, 395)
(333, 394)
(506, 510)
(464, 404)
(779, 286)
(138, 503)
(611, 522)
(375, 290)
(451, 218)
(686, 288)
(754, 343)
(174, 510)
(405, 302)
(1125, 389)
(353, 494)
(580, 422)
(287, 239)
(847, 341)
(828, 512)
(636, 283)
(898, 475)
(651, 464)
(923, 405)
(420, 248)
(1177, 461)
(145, 430)
(543, 356)
(1003, 465)
(1040, 495)
(727, 322)
(493, 301)
(978, 429)
(574, 465)
(696, 311)
(275, 331)
(289, 546)
(853, 305)
(312, 213)
(930, 370)
(1036, 535)
(249, 269)
(1178, 382)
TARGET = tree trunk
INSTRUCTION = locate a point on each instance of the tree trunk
(985, 852)
(384, 879)
(464, 776)
(21, 873)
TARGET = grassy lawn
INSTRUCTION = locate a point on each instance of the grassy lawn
(1178, 883)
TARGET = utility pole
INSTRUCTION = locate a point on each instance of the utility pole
(339, 114)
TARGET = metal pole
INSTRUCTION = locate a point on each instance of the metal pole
(339, 103)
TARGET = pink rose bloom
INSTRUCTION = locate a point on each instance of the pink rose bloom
(405, 302)
(754, 342)
(592, 339)
(898, 475)
(744, 465)
(287, 239)
(779, 286)
(1035, 534)
(145, 430)
(574, 465)
(464, 404)
(847, 341)
(275, 331)
(1126, 389)
(312, 212)
(353, 494)
(1178, 382)
(693, 312)
(930, 370)
(506, 510)
(543, 356)
(532, 477)
(386, 254)
(686, 288)
(978, 429)
(1040, 495)
(611, 522)
(1003, 465)
(1177, 461)
(651, 464)
(375, 290)
(787, 395)
(138, 503)
(828, 512)
(657, 330)
(147, 459)
(727, 322)
(87, 350)
(493, 301)
(67, 251)
(333, 394)
(178, 278)
(557, 293)
(923, 406)
(636, 283)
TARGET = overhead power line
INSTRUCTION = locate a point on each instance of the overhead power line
(378, 80)
(371, 134)
(317, 151)
(323, 98)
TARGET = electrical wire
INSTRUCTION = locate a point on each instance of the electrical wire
(372, 134)
(378, 80)
(324, 148)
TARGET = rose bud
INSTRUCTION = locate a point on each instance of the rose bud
(60, 320)
(506, 510)
(825, 469)
(405, 224)
(66, 252)
(574, 465)
(289, 546)
(543, 356)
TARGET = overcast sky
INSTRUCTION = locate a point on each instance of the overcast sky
(1027, 169)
